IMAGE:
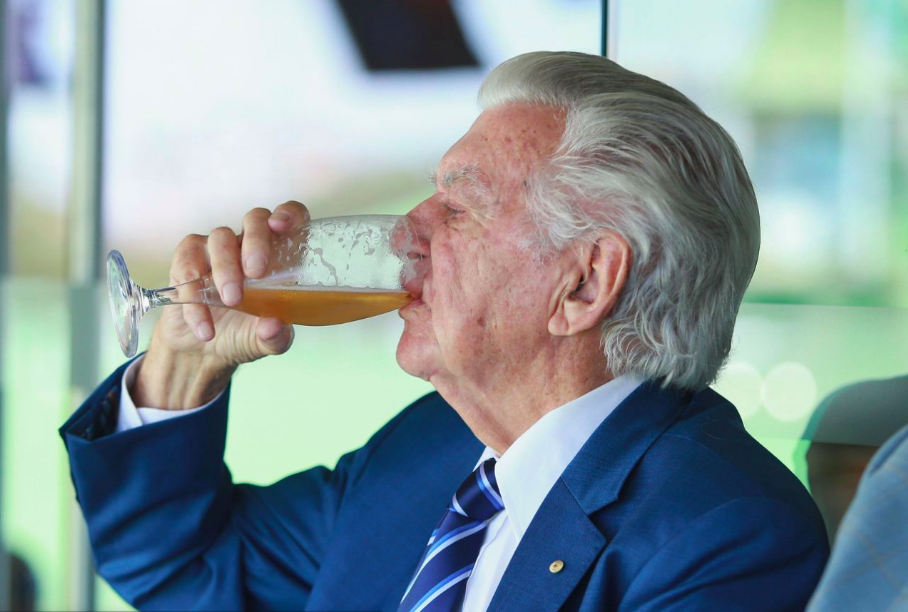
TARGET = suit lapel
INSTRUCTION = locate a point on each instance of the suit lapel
(562, 529)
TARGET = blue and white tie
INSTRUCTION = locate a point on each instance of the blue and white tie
(441, 576)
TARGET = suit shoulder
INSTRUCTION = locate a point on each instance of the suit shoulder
(426, 409)
(427, 414)
(706, 460)
(427, 433)
(430, 423)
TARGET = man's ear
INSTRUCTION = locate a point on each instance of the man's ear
(595, 282)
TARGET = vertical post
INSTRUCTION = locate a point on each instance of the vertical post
(84, 214)
(605, 22)
(84, 247)
(5, 87)
(5, 90)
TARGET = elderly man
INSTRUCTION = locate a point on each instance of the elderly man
(589, 243)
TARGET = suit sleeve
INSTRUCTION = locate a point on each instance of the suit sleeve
(750, 554)
(169, 529)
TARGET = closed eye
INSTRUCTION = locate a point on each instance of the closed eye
(451, 210)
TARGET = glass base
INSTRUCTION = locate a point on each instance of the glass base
(123, 303)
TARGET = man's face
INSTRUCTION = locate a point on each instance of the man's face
(485, 302)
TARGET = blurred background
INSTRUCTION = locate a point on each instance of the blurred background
(129, 123)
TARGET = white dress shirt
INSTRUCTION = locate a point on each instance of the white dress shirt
(525, 473)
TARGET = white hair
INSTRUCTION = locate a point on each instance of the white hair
(640, 159)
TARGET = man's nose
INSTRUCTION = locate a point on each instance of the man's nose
(426, 217)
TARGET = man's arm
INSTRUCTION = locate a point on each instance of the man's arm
(170, 530)
(168, 527)
(751, 554)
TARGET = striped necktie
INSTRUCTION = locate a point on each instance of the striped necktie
(441, 576)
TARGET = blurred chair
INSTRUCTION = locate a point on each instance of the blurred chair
(845, 431)
(869, 563)
(22, 585)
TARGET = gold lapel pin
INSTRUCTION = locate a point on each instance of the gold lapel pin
(556, 566)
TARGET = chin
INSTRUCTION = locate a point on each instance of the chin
(413, 355)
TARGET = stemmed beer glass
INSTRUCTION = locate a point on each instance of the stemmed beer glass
(328, 271)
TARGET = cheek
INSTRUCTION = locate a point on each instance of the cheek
(451, 263)
(522, 294)
(482, 284)
(460, 291)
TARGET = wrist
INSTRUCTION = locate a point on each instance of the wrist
(177, 380)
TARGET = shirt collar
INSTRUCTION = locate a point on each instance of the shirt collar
(534, 462)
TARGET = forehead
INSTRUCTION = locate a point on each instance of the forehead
(506, 143)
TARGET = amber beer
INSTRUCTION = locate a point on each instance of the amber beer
(318, 305)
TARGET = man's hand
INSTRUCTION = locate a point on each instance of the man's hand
(195, 349)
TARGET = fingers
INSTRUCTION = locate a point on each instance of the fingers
(273, 336)
(224, 252)
(190, 260)
(198, 319)
(256, 242)
(229, 260)
(287, 216)
(258, 226)
(189, 263)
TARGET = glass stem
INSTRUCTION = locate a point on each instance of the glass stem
(198, 291)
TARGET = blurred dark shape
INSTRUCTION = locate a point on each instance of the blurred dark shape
(24, 44)
(22, 585)
(407, 34)
(845, 431)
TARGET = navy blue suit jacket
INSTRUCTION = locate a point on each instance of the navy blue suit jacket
(670, 505)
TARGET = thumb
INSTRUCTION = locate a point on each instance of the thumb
(273, 336)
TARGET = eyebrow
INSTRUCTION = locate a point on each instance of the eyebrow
(467, 176)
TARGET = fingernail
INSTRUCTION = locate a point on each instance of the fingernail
(275, 333)
(255, 263)
(204, 330)
(280, 217)
(231, 293)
